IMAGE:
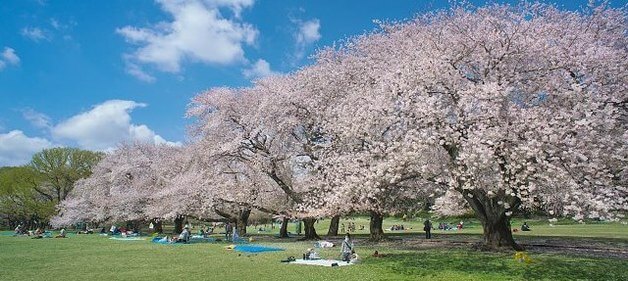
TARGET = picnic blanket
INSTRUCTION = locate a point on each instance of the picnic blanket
(256, 248)
(323, 244)
(128, 238)
(321, 262)
(193, 240)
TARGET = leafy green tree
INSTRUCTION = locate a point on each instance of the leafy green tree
(29, 194)
(60, 168)
(19, 201)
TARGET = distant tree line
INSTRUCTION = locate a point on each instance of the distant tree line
(29, 194)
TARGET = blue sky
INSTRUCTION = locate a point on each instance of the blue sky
(91, 74)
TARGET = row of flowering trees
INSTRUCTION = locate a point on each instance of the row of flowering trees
(503, 107)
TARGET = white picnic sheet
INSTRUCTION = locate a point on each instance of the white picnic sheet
(320, 262)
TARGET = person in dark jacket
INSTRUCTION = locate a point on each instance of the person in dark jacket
(427, 227)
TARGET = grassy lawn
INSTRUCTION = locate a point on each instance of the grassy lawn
(540, 227)
(90, 257)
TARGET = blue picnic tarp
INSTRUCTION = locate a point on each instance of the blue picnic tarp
(256, 248)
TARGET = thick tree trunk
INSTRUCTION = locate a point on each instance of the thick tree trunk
(310, 231)
(495, 223)
(178, 224)
(497, 234)
(283, 231)
(375, 226)
(242, 221)
(333, 226)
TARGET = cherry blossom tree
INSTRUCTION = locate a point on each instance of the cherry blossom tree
(124, 186)
(505, 107)
(358, 154)
(264, 128)
(246, 158)
(509, 106)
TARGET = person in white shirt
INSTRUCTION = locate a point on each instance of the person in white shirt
(184, 237)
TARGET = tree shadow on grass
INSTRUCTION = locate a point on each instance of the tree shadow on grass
(550, 267)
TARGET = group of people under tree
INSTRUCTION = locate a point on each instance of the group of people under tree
(350, 227)
(40, 232)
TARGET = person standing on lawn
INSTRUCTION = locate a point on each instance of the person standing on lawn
(347, 248)
(427, 227)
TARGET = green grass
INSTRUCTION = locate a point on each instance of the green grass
(91, 257)
(540, 227)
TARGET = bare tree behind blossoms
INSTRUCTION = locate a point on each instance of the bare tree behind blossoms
(511, 106)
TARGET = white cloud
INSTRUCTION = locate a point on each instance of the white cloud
(105, 126)
(18, 149)
(235, 5)
(307, 33)
(35, 33)
(37, 119)
(198, 32)
(55, 23)
(137, 72)
(8, 57)
(260, 69)
(62, 25)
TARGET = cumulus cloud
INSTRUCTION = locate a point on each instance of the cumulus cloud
(105, 126)
(8, 57)
(236, 6)
(17, 149)
(259, 69)
(307, 33)
(37, 119)
(198, 32)
(35, 33)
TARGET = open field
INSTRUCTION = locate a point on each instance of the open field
(410, 257)
(540, 227)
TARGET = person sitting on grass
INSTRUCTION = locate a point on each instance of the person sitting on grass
(525, 227)
(184, 237)
(235, 235)
(311, 255)
(378, 255)
(61, 233)
(354, 258)
(39, 233)
(19, 230)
